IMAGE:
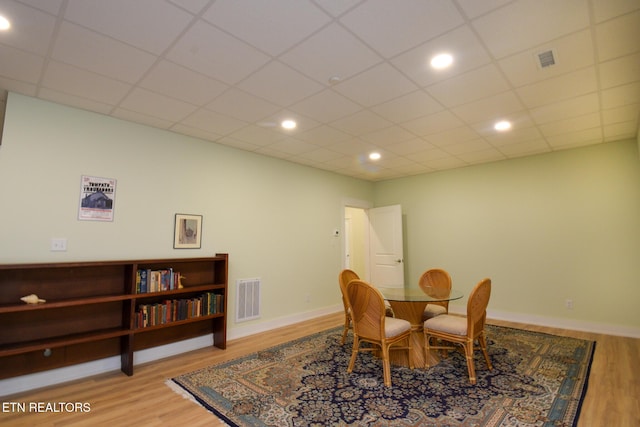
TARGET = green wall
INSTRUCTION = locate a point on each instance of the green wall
(275, 218)
(546, 228)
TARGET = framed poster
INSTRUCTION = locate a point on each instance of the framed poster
(97, 196)
(187, 233)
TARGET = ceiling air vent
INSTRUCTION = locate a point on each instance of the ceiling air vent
(546, 59)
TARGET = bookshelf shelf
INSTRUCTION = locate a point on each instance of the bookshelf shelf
(91, 311)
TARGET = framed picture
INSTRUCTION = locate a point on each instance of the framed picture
(188, 231)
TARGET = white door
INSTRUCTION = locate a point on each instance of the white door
(385, 246)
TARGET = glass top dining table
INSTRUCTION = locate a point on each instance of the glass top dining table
(429, 294)
(409, 304)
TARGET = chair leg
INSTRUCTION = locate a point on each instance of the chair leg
(410, 351)
(483, 346)
(386, 365)
(427, 351)
(354, 353)
(347, 322)
(468, 352)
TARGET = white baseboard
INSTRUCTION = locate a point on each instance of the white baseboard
(558, 322)
(38, 380)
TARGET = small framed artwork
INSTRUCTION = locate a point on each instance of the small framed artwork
(188, 231)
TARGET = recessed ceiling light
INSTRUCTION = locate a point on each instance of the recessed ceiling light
(374, 156)
(288, 124)
(4, 23)
(442, 60)
(502, 126)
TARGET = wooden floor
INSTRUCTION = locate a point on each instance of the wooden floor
(144, 399)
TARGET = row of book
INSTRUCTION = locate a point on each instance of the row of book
(148, 280)
(175, 310)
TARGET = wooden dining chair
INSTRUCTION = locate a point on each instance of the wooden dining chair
(344, 278)
(462, 330)
(371, 325)
(433, 282)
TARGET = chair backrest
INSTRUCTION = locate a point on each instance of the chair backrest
(344, 278)
(434, 281)
(477, 307)
(367, 310)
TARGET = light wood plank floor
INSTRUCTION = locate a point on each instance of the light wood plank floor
(145, 400)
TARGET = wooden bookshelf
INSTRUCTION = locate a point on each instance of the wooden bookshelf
(92, 311)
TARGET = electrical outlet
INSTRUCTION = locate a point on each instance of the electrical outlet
(58, 244)
(569, 304)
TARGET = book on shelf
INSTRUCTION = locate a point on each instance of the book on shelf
(175, 310)
(148, 280)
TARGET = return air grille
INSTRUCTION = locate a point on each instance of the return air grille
(247, 299)
(546, 59)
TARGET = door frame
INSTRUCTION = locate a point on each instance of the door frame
(357, 204)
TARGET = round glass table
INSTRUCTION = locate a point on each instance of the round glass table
(409, 304)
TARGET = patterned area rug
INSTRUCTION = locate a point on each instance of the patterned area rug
(537, 380)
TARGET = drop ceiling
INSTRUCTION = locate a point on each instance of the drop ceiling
(354, 75)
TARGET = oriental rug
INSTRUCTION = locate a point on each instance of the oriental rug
(537, 380)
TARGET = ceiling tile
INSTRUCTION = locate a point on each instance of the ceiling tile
(472, 86)
(31, 29)
(571, 53)
(324, 136)
(409, 147)
(377, 23)
(618, 37)
(627, 113)
(559, 88)
(573, 124)
(205, 49)
(453, 136)
(121, 19)
(280, 84)
(408, 107)
(461, 42)
(527, 148)
(574, 107)
(181, 83)
(331, 52)
(163, 107)
(100, 54)
(386, 136)
(243, 106)
(491, 108)
(576, 139)
(475, 8)
(514, 136)
(361, 123)
(272, 27)
(433, 123)
(84, 84)
(375, 86)
(326, 106)
(604, 10)
(621, 95)
(539, 22)
(213, 122)
(20, 65)
(620, 71)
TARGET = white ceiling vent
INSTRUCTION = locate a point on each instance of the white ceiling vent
(546, 59)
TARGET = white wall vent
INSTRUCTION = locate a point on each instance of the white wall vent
(247, 299)
(546, 59)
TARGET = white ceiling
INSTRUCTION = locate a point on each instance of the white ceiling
(229, 71)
